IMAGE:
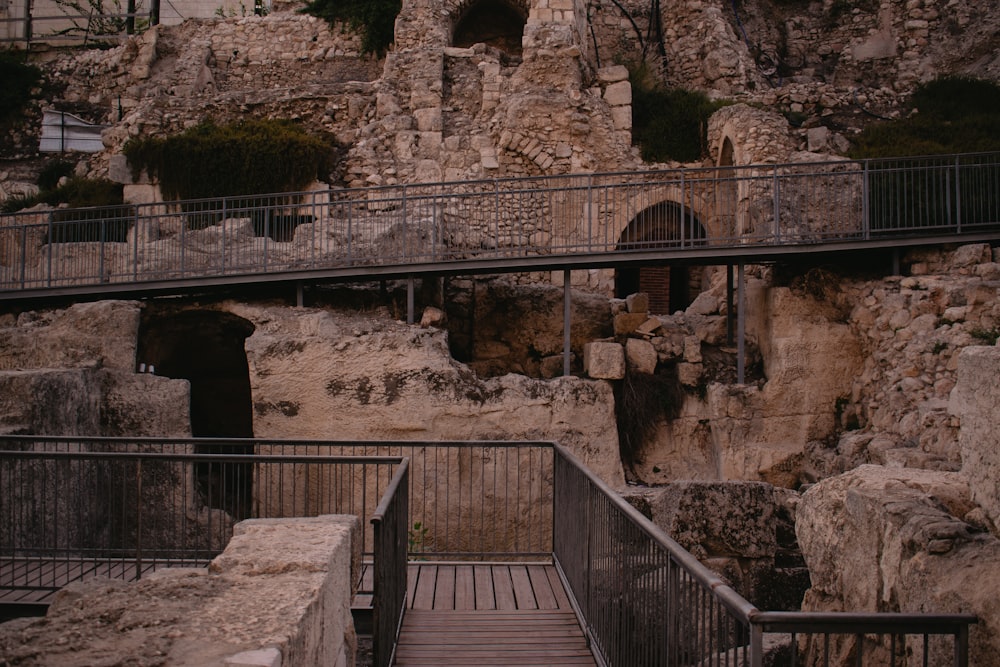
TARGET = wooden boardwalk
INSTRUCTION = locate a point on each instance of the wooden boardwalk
(486, 615)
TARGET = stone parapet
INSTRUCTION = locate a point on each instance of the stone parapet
(279, 595)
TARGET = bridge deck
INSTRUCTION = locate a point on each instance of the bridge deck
(484, 615)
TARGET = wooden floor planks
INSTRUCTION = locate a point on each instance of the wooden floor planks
(489, 615)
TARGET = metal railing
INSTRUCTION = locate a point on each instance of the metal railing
(646, 601)
(504, 220)
(642, 598)
(61, 22)
(390, 523)
(467, 499)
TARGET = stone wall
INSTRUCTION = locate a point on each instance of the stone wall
(73, 372)
(974, 400)
(258, 603)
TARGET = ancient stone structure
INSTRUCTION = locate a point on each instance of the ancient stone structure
(259, 603)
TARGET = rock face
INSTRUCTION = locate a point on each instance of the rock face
(258, 599)
(316, 374)
(881, 539)
(975, 400)
(73, 372)
(741, 530)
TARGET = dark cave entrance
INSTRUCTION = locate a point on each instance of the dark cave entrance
(495, 23)
(206, 348)
(670, 287)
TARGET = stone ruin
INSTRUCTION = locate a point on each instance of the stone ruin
(871, 413)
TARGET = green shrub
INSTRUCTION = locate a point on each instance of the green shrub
(669, 123)
(375, 19)
(19, 79)
(243, 158)
(76, 192)
(953, 115)
(53, 172)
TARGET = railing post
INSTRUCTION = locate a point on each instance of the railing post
(590, 213)
(222, 240)
(24, 255)
(681, 198)
(405, 244)
(741, 321)
(777, 206)
(865, 201)
(962, 646)
(958, 195)
(138, 519)
(100, 253)
(135, 245)
(48, 278)
(757, 645)
(567, 314)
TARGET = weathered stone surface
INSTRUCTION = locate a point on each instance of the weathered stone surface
(102, 333)
(258, 596)
(640, 356)
(604, 360)
(975, 400)
(345, 376)
(881, 539)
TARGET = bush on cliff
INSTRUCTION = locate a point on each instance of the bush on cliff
(953, 114)
(669, 123)
(376, 19)
(248, 157)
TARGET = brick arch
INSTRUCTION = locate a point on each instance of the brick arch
(498, 23)
(661, 225)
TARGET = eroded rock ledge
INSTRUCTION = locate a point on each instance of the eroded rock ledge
(258, 603)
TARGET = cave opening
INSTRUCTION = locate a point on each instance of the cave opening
(495, 23)
(206, 348)
(670, 287)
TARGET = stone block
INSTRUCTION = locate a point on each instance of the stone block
(689, 375)
(621, 117)
(612, 74)
(638, 303)
(627, 323)
(604, 360)
(649, 327)
(692, 349)
(618, 94)
(640, 355)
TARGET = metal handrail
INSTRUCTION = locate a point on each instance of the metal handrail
(391, 523)
(512, 220)
(672, 610)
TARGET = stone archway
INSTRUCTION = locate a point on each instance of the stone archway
(670, 287)
(497, 23)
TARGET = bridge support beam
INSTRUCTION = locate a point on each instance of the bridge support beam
(410, 301)
(299, 297)
(566, 322)
(741, 324)
(730, 309)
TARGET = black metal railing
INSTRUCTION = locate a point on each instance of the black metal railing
(645, 600)
(504, 220)
(390, 523)
(642, 598)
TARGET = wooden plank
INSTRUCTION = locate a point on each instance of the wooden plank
(444, 595)
(557, 588)
(542, 587)
(423, 595)
(497, 638)
(523, 592)
(503, 588)
(483, 576)
(412, 574)
(465, 589)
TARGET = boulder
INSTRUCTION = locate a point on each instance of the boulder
(975, 400)
(881, 539)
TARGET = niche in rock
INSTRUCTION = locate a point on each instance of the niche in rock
(206, 348)
(495, 23)
(670, 287)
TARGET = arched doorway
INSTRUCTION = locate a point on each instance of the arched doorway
(206, 348)
(670, 287)
(497, 23)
